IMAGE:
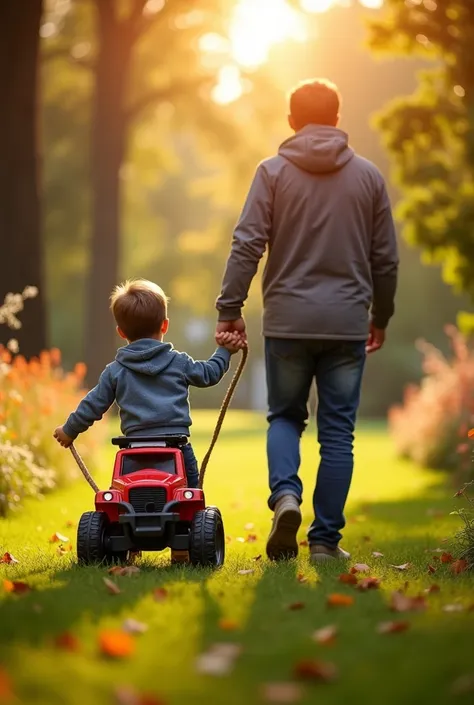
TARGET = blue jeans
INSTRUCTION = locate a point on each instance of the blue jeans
(190, 465)
(337, 367)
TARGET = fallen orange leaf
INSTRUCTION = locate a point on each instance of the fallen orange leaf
(392, 627)
(58, 538)
(16, 586)
(339, 600)
(446, 558)
(459, 566)
(296, 606)
(369, 584)
(228, 625)
(67, 642)
(116, 644)
(258, 558)
(432, 588)
(160, 594)
(315, 670)
(124, 570)
(251, 538)
(402, 603)
(431, 569)
(326, 635)
(8, 558)
(112, 588)
(348, 578)
(304, 543)
(470, 433)
(6, 689)
(301, 578)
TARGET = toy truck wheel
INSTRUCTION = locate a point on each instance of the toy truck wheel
(207, 540)
(91, 538)
(92, 541)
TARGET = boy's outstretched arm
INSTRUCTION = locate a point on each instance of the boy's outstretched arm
(92, 408)
(200, 373)
(250, 239)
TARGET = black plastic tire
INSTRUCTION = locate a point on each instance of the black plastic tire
(91, 538)
(207, 539)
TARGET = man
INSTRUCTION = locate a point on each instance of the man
(328, 294)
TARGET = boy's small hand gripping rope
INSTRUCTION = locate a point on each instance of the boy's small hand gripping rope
(215, 435)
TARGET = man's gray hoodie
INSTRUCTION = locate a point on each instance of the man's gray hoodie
(149, 381)
(324, 215)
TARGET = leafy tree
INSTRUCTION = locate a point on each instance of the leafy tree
(21, 261)
(430, 134)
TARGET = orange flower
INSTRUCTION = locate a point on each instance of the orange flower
(80, 370)
(470, 433)
(55, 356)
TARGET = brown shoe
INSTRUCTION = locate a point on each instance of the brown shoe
(321, 554)
(282, 541)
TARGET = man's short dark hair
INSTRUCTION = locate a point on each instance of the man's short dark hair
(315, 102)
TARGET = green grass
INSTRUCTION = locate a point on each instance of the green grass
(395, 508)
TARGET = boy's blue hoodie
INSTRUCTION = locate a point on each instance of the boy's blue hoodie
(149, 381)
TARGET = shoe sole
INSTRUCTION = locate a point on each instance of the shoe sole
(325, 558)
(282, 543)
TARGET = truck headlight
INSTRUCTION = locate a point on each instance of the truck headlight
(188, 494)
(108, 496)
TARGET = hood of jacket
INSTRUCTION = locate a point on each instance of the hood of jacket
(319, 149)
(147, 356)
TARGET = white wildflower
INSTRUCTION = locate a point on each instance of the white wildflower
(13, 346)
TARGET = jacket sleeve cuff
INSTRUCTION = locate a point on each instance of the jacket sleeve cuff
(224, 354)
(69, 431)
(229, 314)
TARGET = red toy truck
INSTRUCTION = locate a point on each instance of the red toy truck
(149, 507)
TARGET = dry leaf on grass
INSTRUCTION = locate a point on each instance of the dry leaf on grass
(463, 685)
(392, 627)
(126, 695)
(431, 569)
(246, 572)
(348, 578)
(58, 538)
(131, 626)
(228, 625)
(116, 644)
(295, 606)
(70, 524)
(124, 570)
(282, 692)
(311, 669)
(326, 635)
(470, 433)
(64, 550)
(360, 568)
(459, 566)
(258, 558)
(249, 526)
(369, 584)
(339, 600)
(160, 594)
(377, 554)
(112, 587)
(456, 607)
(432, 588)
(67, 642)
(8, 558)
(219, 659)
(16, 586)
(446, 557)
(251, 538)
(367, 539)
(403, 566)
(6, 687)
(399, 602)
(228, 539)
(301, 578)
(304, 543)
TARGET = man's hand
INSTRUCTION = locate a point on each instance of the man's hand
(237, 326)
(376, 339)
(64, 440)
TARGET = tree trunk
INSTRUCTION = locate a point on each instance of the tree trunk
(20, 230)
(108, 139)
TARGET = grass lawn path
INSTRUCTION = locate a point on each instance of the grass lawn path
(395, 508)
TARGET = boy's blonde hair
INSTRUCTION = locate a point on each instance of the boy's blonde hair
(139, 307)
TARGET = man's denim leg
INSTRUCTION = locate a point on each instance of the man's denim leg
(289, 371)
(339, 369)
(190, 465)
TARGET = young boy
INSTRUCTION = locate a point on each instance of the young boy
(148, 380)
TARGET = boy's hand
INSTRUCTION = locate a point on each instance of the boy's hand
(62, 438)
(231, 341)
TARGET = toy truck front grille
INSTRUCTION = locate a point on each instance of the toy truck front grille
(147, 499)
